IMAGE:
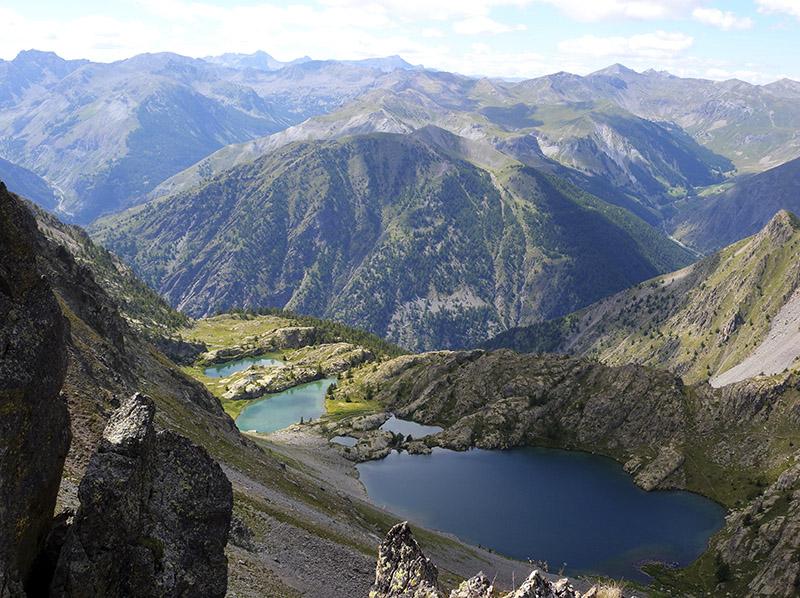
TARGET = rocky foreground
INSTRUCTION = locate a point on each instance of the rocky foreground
(403, 571)
(153, 508)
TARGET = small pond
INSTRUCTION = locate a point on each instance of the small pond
(344, 440)
(407, 427)
(222, 370)
(545, 505)
(280, 410)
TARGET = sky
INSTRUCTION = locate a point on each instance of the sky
(753, 40)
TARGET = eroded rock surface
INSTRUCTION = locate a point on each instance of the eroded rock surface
(34, 424)
(154, 515)
(766, 531)
(403, 571)
(475, 587)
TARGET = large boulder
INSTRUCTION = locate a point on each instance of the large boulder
(154, 515)
(34, 423)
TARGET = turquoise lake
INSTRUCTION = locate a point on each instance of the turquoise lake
(280, 410)
(546, 505)
(226, 369)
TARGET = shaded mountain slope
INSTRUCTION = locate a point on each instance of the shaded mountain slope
(390, 233)
(28, 184)
(648, 165)
(739, 209)
(701, 321)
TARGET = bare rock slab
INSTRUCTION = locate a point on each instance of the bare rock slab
(154, 516)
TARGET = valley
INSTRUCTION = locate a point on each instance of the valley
(551, 321)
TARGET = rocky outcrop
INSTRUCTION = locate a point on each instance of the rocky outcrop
(179, 350)
(474, 587)
(501, 399)
(766, 532)
(257, 381)
(403, 571)
(290, 337)
(372, 445)
(653, 475)
(332, 358)
(34, 424)
(154, 515)
(536, 586)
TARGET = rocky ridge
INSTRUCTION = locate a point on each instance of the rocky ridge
(403, 571)
(153, 517)
(33, 414)
(699, 322)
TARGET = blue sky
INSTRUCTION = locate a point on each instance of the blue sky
(755, 40)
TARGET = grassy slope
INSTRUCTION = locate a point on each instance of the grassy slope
(699, 322)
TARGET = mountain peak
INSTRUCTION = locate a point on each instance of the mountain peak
(778, 230)
(783, 221)
(37, 56)
(615, 70)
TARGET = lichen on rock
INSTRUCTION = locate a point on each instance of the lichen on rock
(154, 515)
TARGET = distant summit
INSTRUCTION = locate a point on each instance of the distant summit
(262, 61)
(259, 60)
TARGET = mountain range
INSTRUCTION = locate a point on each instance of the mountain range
(611, 258)
(103, 135)
(397, 234)
(116, 132)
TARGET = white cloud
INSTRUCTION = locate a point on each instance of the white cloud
(725, 20)
(789, 7)
(481, 24)
(596, 10)
(658, 45)
(482, 59)
(99, 37)
(416, 10)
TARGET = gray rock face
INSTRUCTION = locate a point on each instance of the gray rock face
(34, 423)
(474, 587)
(536, 586)
(154, 516)
(292, 337)
(403, 571)
(767, 532)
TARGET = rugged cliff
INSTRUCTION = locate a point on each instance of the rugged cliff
(33, 416)
(153, 518)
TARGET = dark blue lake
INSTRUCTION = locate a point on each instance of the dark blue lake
(545, 505)
(282, 409)
(226, 369)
